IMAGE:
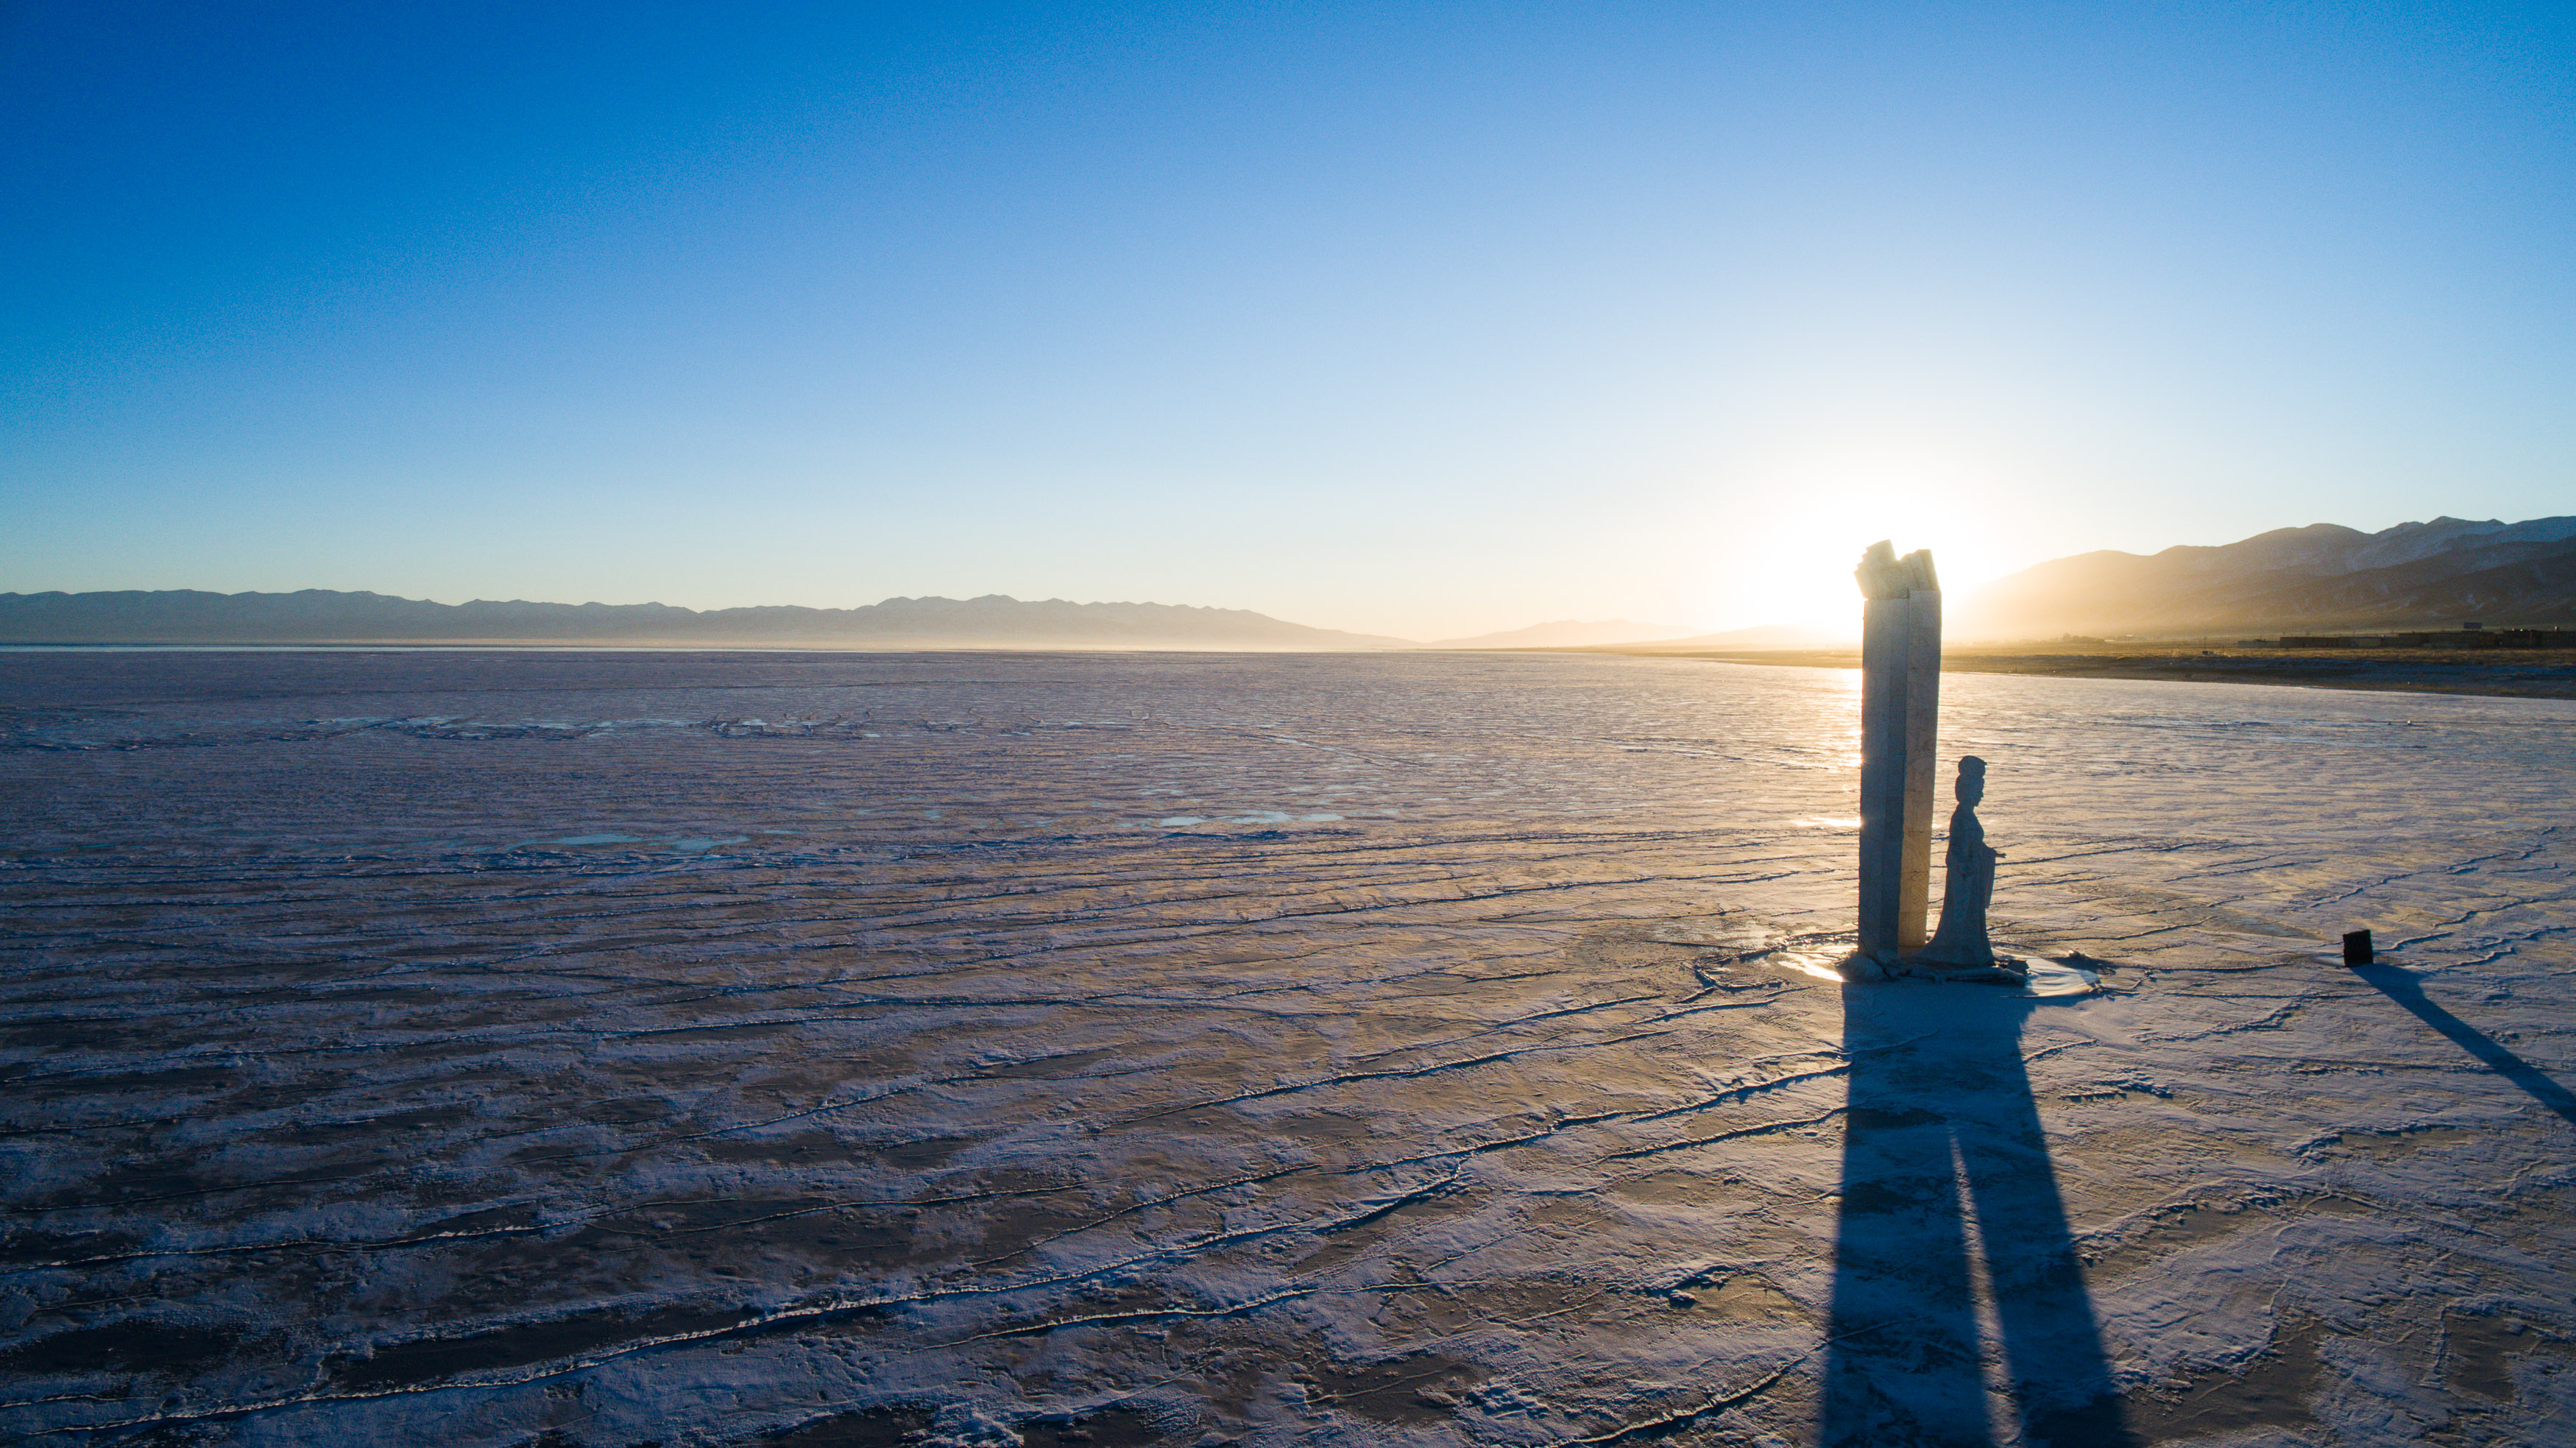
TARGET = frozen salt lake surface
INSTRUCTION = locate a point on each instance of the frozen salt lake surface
(514, 1048)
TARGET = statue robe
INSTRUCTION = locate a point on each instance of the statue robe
(1967, 888)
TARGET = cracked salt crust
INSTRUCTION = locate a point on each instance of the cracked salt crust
(1503, 1108)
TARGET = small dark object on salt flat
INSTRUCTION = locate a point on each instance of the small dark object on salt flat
(2356, 947)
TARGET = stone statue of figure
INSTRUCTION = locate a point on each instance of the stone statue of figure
(1968, 880)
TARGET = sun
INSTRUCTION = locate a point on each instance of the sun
(1791, 562)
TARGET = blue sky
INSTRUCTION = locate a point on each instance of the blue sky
(1411, 319)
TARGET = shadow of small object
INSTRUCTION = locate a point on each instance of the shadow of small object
(2405, 988)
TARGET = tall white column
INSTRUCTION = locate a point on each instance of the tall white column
(1900, 702)
(1922, 750)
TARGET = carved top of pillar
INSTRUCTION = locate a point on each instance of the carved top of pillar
(1884, 575)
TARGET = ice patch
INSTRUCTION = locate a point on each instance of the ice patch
(2048, 978)
(1816, 965)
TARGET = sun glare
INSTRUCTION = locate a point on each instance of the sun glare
(1794, 566)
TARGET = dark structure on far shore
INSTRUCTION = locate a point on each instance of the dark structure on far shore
(2467, 636)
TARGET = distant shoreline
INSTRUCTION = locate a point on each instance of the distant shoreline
(2518, 674)
(2521, 674)
(577, 646)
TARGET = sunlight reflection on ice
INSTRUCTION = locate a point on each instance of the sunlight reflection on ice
(2047, 977)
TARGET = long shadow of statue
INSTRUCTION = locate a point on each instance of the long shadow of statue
(1945, 1167)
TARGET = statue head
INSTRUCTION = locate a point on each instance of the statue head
(1972, 780)
(1880, 575)
(1883, 575)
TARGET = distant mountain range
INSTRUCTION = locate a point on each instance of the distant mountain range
(321, 616)
(2315, 579)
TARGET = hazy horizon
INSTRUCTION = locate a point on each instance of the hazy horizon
(2435, 571)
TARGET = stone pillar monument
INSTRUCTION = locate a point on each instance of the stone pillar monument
(1900, 704)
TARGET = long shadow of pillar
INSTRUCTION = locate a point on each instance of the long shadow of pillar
(2402, 987)
(1943, 1154)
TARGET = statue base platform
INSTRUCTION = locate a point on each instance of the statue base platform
(2006, 970)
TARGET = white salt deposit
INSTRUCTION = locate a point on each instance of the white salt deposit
(929, 1099)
